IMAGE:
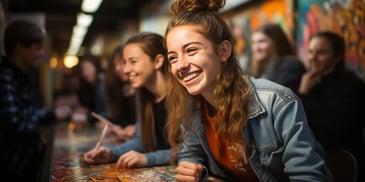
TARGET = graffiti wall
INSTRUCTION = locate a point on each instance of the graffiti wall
(346, 17)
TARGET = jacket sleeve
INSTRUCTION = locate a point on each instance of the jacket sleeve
(191, 149)
(303, 156)
(158, 157)
(16, 118)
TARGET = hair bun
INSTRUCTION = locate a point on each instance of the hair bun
(179, 6)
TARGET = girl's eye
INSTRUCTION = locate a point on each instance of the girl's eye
(190, 50)
(172, 59)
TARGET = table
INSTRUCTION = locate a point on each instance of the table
(70, 143)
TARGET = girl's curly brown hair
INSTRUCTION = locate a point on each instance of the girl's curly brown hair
(232, 89)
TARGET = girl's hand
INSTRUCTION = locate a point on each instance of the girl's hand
(119, 132)
(130, 131)
(132, 159)
(188, 172)
(123, 134)
(101, 155)
(308, 81)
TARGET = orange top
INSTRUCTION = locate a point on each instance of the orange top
(222, 153)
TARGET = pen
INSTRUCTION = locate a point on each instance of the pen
(103, 133)
(101, 118)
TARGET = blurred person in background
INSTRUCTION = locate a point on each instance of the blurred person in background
(21, 138)
(121, 97)
(274, 57)
(91, 93)
(333, 98)
(67, 95)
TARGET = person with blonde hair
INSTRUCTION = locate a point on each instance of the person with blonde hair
(223, 123)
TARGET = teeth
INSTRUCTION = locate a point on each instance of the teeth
(131, 76)
(190, 76)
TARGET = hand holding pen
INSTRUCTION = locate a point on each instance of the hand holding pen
(102, 136)
(103, 133)
(99, 154)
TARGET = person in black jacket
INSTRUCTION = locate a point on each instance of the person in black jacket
(333, 97)
(21, 139)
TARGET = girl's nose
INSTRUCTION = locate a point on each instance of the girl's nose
(182, 63)
(126, 68)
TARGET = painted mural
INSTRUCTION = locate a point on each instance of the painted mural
(250, 18)
(346, 17)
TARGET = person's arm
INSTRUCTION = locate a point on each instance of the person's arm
(191, 149)
(158, 157)
(308, 82)
(303, 156)
(155, 158)
(20, 132)
(44, 116)
(192, 154)
(134, 143)
(15, 118)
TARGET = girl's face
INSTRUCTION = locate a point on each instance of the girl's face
(119, 68)
(88, 71)
(194, 63)
(262, 46)
(138, 65)
(320, 56)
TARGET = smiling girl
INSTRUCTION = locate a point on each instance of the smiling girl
(230, 126)
(146, 67)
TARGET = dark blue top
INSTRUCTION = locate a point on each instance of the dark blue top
(20, 133)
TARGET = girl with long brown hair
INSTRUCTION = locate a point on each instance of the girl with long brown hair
(274, 57)
(223, 123)
(146, 67)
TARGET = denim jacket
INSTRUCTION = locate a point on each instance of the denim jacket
(155, 158)
(282, 146)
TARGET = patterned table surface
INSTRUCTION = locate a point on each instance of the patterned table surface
(70, 142)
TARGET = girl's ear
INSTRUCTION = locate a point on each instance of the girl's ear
(225, 50)
(159, 59)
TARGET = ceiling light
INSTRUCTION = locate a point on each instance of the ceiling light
(84, 20)
(70, 61)
(90, 6)
(79, 31)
